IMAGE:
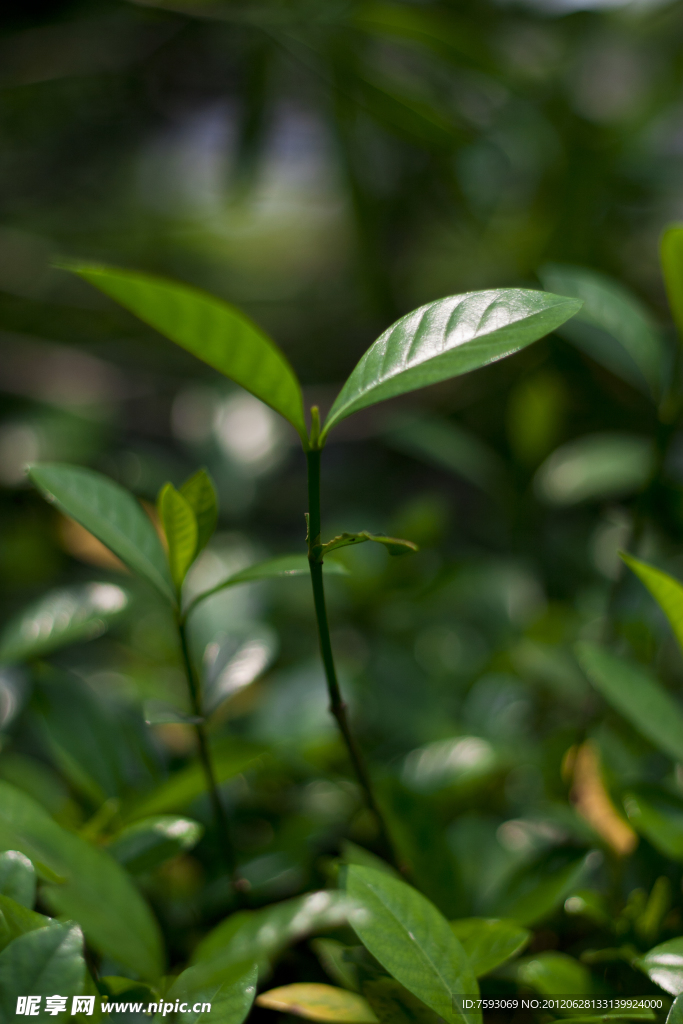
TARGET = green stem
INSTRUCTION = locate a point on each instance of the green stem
(337, 705)
(240, 884)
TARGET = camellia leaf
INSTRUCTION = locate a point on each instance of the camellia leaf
(200, 494)
(636, 695)
(412, 941)
(447, 338)
(551, 972)
(210, 329)
(60, 618)
(94, 890)
(148, 843)
(664, 965)
(180, 527)
(315, 1001)
(659, 817)
(394, 545)
(17, 878)
(41, 963)
(18, 920)
(109, 512)
(229, 990)
(489, 942)
(667, 591)
(676, 1012)
(671, 254)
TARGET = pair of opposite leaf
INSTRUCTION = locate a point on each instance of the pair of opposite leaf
(189, 518)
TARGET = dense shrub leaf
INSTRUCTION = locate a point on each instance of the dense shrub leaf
(489, 942)
(315, 1001)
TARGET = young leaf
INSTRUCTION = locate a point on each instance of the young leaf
(664, 965)
(110, 513)
(17, 878)
(210, 329)
(447, 338)
(229, 989)
(200, 494)
(394, 545)
(489, 942)
(671, 253)
(637, 695)
(410, 938)
(180, 527)
(60, 618)
(148, 843)
(319, 1002)
(41, 963)
(667, 591)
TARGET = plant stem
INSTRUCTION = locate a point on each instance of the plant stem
(337, 705)
(240, 885)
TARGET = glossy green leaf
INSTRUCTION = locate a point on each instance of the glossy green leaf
(489, 942)
(229, 756)
(229, 989)
(664, 965)
(180, 527)
(41, 963)
(659, 817)
(273, 568)
(315, 1001)
(18, 920)
(210, 329)
(667, 591)
(411, 939)
(595, 467)
(447, 338)
(60, 618)
(96, 891)
(17, 877)
(109, 512)
(612, 326)
(200, 494)
(675, 1015)
(551, 974)
(148, 843)
(637, 695)
(671, 254)
(394, 545)
(535, 892)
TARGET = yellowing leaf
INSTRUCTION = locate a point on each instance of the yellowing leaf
(319, 1002)
(592, 802)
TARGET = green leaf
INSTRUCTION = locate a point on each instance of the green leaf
(612, 326)
(659, 817)
(394, 1004)
(41, 963)
(489, 942)
(60, 618)
(230, 757)
(550, 973)
(411, 939)
(18, 920)
(230, 990)
(17, 878)
(96, 892)
(445, 339)
(210, 329)
(200, 494)
(394, 545)
(676, 1012)
(595, 467)
(667, 591)
(109, 512)
(671, 254)
(331, 955)
(148, 843)
(354, 854)
(664, 965)
(535, 892)
(273, 568)
(637, 695)
(180, 527)
(315, 1001)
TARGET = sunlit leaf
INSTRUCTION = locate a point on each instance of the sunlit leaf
(210, 329)
(659, 817)
(636, 695)
(445, 339)
(595, 467)
(459, 761)
(612, 326)
(489, 942)
(41, 963)
(60, 618)
(667, 591)
(315, 1001)
(200, 494)
(240, 659)
(146, 844)
(180, 527)
(228, 989)
(394, 545)
(17, 877)
(411, 939)
(671, 253)
(110, 513)
(664, 965)
(95, 891)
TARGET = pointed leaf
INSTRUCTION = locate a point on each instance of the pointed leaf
(200, 494)
(229, 989)
(664, 965)
(210, 329)
(319, 1002)
(667, 591)
(411, 939)
(109, 512)
(18, 920)
(394, 545)
(447, 338)
(17, 878)
(636, 695)
(41, 963)
(148, 843)
(671, 253)
(60, 618)
(489, 942)
(180, 527)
